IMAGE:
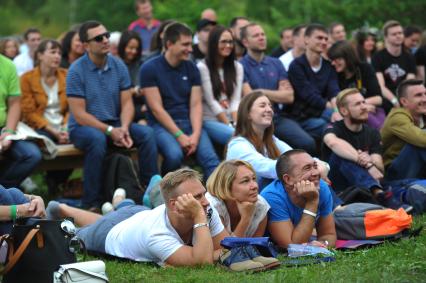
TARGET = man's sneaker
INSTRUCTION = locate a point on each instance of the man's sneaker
(237, 259)
(152, 197)
(107, 207)
(254, 254)
(388, 200)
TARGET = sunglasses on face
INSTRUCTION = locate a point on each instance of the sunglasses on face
(100, 38)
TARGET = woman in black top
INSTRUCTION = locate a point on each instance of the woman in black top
(353, 73)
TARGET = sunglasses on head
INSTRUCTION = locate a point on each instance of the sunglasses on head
(100, 38)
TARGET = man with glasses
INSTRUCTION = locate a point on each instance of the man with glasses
(300, 202)
(98, 90)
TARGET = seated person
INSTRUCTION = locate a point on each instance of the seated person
(233, 192)
(14, 204)
(353, 149)
(299, 202)
(19, 158)
(182, 232)
(403, 134)
(44, 101)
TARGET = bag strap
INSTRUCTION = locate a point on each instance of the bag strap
(91, 273)
(14, 257)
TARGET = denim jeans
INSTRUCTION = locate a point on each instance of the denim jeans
(408, 164)
(94, 143)
(218, 132)
(316, 126)
(345, 173)
(292, 133)
(8, 197)
(18, 162)
(173, 154)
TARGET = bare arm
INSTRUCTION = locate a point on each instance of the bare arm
(421, 73)
(284, 93)
(378, 161)
(261, 228)
(13, 112)
(196, 111)
(385, 91)
(326, 230)
(127, 108)
(78, 108)
(374, 100)
(341, 147)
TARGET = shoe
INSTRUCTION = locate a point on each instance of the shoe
(388, 200)
(254, 254)
(107, 207)
(237, 259)
(152, 197)
(119, 196)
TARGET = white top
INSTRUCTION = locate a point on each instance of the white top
(260, 213)
(149, 236)
(52, 113)
(287, 58)
(241, 148)
(23, 63)
(211, 106)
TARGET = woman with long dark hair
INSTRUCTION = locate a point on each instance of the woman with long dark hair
(353, 73)
(365, 45)
(72, 48)
(222, 80)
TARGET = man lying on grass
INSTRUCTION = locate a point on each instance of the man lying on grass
(299, 202)
(184, 231)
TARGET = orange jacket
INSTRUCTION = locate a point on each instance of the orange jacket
(34, 98)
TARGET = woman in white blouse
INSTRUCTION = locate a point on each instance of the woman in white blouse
(222, 80)
(234, 193)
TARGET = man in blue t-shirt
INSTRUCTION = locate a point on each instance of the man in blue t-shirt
(171, 83)
(299, 202)
(98, 90)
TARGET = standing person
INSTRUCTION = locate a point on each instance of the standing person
(146, 25)
(44, 101)
(25, 61)
(172, 88)
(9, 47)
(365, 45)
(19, 158)
(199, 50)
(234, 193)
(130, 51)
(72, 48)
(298, 47)
(100, 100)
(286, 43)
(393, 64)
(221, 82)
(235, 25)
(355, 74)
(315, 85)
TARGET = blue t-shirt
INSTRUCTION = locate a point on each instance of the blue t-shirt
(282, 209)
(100, 88)
(174, 84)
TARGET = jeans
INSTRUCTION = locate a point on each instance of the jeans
(408, 164)
(292, 133)
(218, 132)
(94, 143)
(18, 162)
(9, 197)
(316, 126)
(345, 173)
(173, 154)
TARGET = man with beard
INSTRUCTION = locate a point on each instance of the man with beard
(299, 202)
(354, 149)
(235, 25)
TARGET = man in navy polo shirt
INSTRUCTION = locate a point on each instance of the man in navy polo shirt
(172, 89)
(267, 74)
(98, 90)
(300, 202)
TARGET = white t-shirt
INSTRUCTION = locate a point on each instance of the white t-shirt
(260, 212)
(23, 63)
(286, 59)
(149, 236)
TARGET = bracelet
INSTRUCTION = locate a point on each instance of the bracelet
(108, 130)
(394, 101)
(178, 134)
(308, 212)
(335, 109)
(4, 130)
(369, 165)
(63, 129)
(13, 212)
(198, 225)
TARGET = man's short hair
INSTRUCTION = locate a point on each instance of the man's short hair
(284, 164)
(244, 30)
(141, 2)
(173, 179)
(401, 91)
(284, 30)
(410, 30)
(234, 21)
(298, 29)
(173, 32)
(341, 100)
(388, 25)
(333, 26)
(29, 31)
(84, 37)
(314, 27)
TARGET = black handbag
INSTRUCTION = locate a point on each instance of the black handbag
(36, 248)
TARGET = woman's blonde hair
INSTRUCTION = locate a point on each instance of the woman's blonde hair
(220, 181)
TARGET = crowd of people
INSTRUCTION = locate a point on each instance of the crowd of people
(321, 114)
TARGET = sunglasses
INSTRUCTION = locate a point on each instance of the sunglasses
(100, 38)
